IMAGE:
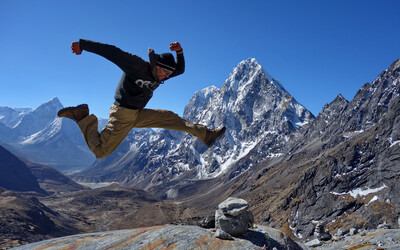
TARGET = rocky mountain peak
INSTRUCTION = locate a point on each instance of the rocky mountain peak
(50, 108)
(337, 104)
(395, 65)
(39, 118)
(247, 72)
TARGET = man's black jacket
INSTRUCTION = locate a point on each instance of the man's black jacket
(138, 81)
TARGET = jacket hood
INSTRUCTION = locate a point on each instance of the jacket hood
(153, 62)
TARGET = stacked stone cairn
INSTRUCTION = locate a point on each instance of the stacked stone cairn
(233, 218)
(320, 233)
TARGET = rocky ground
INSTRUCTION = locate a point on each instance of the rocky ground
(29, 217)
(193, 237)
(372, 239)
(117, 207)
(168, 237)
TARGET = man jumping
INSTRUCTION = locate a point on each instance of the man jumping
(139, 79)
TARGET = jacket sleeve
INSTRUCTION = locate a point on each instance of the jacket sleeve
(129, 63)
(180, 65)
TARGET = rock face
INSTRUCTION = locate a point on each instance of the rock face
(340, 169)
(233, 216)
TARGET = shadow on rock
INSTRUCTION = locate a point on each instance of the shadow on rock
(270, 238)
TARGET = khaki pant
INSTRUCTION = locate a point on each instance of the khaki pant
(122, 120)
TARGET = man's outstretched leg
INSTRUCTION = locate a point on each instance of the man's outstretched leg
(122, 120)
(156, 118)
(102, 144)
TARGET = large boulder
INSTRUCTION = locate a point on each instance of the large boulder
(233, 216)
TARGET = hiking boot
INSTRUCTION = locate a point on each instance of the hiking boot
(213, 135)
(75, 113)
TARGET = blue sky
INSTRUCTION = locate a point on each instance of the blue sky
(316, 49)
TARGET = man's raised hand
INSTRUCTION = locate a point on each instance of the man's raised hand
(75, 47)
(175, 46)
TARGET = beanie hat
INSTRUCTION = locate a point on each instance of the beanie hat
(166, 60)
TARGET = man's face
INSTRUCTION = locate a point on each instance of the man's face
(163, 73)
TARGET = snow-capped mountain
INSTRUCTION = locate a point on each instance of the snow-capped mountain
(11, 117)
(38, 135)
(35, 120)
(251, 104)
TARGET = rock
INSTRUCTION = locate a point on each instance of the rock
(233, 206)
(384, 226)
(233, 216)
(275, 238)
(208, 222)
(325, 236)
(353, 231)
(314, 243)
(223, 235)
(229, 224)
(319, 228)
(321, 234)
(341, 232)
(398, 221)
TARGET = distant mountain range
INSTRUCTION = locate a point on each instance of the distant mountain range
(340, 168)
(39, 136)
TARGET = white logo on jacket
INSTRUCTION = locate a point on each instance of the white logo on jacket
(148, 84)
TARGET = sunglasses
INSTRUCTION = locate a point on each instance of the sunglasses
(168, 72)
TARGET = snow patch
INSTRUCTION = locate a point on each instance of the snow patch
(301, 124)
(94, 185)
(350, 134)
(359, 192)
(172, 193)
(372, 200)
(243, 152)
(272, 155)
(45, 134)
(393, 143)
